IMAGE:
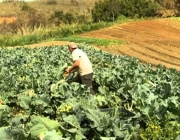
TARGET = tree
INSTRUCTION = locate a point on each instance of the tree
(178, 7)
(106, 10)
(138, 8)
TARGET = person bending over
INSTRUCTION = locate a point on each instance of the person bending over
(82, 64)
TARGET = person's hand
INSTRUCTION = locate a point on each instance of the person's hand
(65, 75)
(67, 71)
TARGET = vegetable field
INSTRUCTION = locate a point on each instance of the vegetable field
(133, 101)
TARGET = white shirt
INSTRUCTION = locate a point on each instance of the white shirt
(85, 66)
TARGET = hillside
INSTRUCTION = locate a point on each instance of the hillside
(152, 41)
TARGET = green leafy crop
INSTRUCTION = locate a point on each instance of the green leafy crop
(132, 99)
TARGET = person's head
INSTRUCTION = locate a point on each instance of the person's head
(72, 47)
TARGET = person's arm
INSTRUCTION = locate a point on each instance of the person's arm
(74, 67)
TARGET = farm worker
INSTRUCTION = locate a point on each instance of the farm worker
(82, 64)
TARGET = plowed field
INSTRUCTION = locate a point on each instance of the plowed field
(152, 41)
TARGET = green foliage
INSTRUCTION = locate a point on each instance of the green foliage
(106, 10)
(155, 130)
(138, 8)
(59, 17)
(176, 18)
(42, 124)
(51, 135)
(19, 41)
(27, 7)
(37, 101)
(94, 41)
(178, 7)
(110, 10)
(50, 2)
(42, 34)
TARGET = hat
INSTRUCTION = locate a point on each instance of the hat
(74, 46)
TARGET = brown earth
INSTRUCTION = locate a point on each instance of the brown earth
(7, 19)
(152, 41)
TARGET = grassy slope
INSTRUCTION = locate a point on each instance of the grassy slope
(81, 7)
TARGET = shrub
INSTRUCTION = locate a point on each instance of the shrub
(110, 10)
(138, 8)
(106, 10)
(51, 2)
(59, 17)
(27, 7)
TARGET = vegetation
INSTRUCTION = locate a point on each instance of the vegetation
(57, 19)
(53, 33)
(94, 41)
(133, 101)
(106, 10)
(110, 10)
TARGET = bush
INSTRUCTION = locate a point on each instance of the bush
(59, 17)
(139, 8)
(110, 10)
(106, 10)
(51, 2)
(27, 7)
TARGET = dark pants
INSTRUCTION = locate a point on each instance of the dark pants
(85, 80)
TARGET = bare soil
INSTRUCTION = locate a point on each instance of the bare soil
(7, 19)
(154, 41)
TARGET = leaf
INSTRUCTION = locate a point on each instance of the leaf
(19, 119)
(51, 135)
(178, 138)
(4, 108)
(24, 101)
(159, 115)
(72, 120)
(146, 111)
(108, 138)
(39, 103)
(102, 90)
(167, 86)
(144, 88)
(164, 103)
(151, 97)
(48, 123)
(98, 119)
(79, 136)
(37, 129)
(72, 130)
(4, 113)
(62, 88)
(5, 135)
(174, 100)
(101, 100)
(118, 132)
